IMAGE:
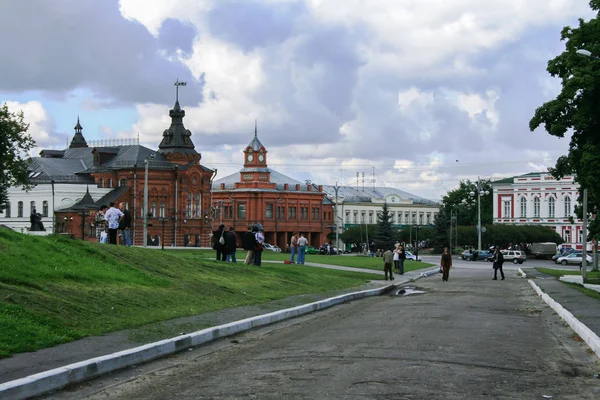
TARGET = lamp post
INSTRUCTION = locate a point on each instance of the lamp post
(337, 236)
(163, 221)
(145, 238)
(480, 192)
(415, 223)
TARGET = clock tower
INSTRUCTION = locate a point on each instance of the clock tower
(255, 162)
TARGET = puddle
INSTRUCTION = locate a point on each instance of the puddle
(407, 291)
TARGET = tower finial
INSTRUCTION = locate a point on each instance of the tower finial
(177, 84)
(255, 128)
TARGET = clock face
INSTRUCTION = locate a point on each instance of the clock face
(261, 158)
(250, 157)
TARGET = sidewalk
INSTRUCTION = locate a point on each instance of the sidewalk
(586, 309)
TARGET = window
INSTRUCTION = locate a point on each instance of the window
(580, 236)
(567, 206)
(142, 209)
(269, 211)
(153, 209)
(197, 208)
(162, 211)
(536, 207)
(109, 182)
(20, 209)
(291, 212)
(45, 208)
(355, 221)
(188, 210)
(241, 211)
(280, 212)
(123, 182)
(523, 207)
(304, 213)
(567, 236)
(370, 217)
(32, 207)
(347, 217)
(551, 207)
(7, 210)
(101, 183)
(228, 212)
(506, 209)
(428, 219)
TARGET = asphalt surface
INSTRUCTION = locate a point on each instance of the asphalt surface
(470, 338)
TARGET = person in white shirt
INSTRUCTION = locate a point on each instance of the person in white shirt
(302, 242)
(112, 216)
(260, 238)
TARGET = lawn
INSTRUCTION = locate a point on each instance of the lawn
(593, 277)
(54, 289)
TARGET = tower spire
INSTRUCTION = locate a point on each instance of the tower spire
(255, 128)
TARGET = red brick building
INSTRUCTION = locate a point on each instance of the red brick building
(281, 204)
(178, 186)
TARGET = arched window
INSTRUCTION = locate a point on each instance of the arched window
(32, 207)
(101, 182)
(142, 209)
(45, 208)
(123, 182)
(189, 209)
(109, 182)
(567, 236)
(7, 210)
(153, 209)
(523, 207)
(197, 205)
(536, 207)
(162, 210)
(567, 206)
(551, 207)
(20, 209)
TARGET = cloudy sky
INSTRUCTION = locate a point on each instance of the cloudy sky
(420, 94)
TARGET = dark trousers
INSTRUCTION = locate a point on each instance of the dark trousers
(112, 236)
(445, 273)
(221, 255)
(496, 268)
(257, 257)
(387, 267)
(401, 266)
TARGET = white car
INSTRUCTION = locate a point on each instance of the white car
(271, 247)
(411, 256)
(573, 258)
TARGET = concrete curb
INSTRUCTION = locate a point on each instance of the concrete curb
(429, 273)
(592, 340)
(523, 274)
(58, 378)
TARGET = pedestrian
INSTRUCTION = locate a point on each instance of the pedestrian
(401, 258)
(112, 216)
(397, 259)
(293, 246)
(260, 238)
(249, 242)
(230, 245)
(498, 261)
(100, 222)
(302, 243)
(372, 249)
(125, 225)
(388, 258)
(446, 264)
(219, 243)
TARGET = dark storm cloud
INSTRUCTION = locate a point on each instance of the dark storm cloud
(87, 43)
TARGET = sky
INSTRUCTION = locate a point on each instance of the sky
(415, 95)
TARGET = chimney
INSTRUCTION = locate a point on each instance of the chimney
(285, 186)
(320, 188)
(222, 186)
(297, 186)
(309, 187)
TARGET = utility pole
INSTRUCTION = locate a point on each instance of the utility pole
(451, 219)
(584, 236)
(337, 238)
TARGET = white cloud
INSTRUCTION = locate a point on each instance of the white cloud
(40, 124)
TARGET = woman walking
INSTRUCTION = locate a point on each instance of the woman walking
(446, 263)
(219, 243)
(498, 261)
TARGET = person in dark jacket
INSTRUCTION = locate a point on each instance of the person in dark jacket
(125, 225)
(249, 243)
(401, 259)
(498, 261)
(218, 244)
(230, 245)
(446, 264)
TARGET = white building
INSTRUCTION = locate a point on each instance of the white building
(538, 198)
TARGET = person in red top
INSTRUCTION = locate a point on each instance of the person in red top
(293, 246)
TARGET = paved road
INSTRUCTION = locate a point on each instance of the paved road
(470, 338)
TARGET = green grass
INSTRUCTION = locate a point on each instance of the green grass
(54, 289)
(586, 291)
(591, 275)
(365, 262)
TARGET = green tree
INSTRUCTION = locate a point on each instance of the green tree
(385, 238)
(15, 142)
(575, 109)
(356, 235)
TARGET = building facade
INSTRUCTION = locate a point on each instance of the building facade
(538, 198)
(72, 184)
(281, 204)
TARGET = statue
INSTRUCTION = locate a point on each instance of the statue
(36, 222)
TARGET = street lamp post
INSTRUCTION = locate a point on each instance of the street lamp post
(480, 192)
(163, 221)
(337, 238)
(145, 238)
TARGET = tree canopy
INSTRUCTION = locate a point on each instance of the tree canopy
(15, 142)
(576, 108)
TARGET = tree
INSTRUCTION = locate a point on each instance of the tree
(575, 109)
(385, 238)
(15, 142)
(356, 235)
(464, 205)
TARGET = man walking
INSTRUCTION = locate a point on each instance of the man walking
(293, 247)
(498, 261)
(302, 242)
(388, 258)
(249, 243)
(230, 245)
(112, 217)
(125, 225)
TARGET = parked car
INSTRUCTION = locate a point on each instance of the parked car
(468, 255)
(565, 251)
(323, 249)
(573, 258)
(311, 250)
(516, 256)
(271, 247)
(411, 256)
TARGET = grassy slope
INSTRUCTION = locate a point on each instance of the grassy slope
(54, 289)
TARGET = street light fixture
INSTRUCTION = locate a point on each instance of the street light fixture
(480, 192)
(585, 53)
